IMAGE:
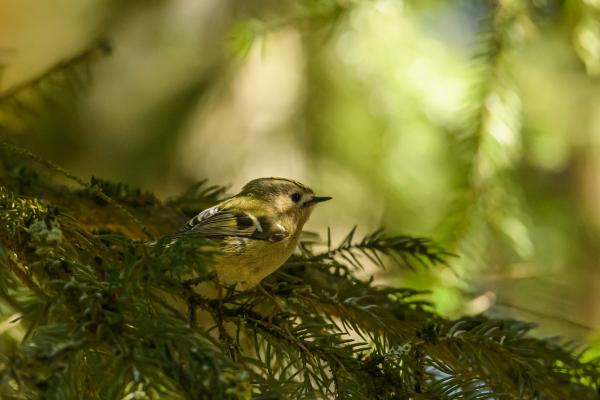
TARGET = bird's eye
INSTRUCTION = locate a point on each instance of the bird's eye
(296, 197)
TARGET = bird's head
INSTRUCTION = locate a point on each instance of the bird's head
(288, 197)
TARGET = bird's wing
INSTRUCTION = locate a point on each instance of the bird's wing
(217, 222)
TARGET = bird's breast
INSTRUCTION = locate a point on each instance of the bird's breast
(247, 261)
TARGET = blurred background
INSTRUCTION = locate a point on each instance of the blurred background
(475, 123)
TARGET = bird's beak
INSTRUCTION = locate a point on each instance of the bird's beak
(318, 199)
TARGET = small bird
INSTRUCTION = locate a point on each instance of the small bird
(257, 229)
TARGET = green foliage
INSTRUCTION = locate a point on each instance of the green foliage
(108, 316)
(90, 308)
(405, 250)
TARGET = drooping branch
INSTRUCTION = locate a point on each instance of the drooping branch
(88, 54)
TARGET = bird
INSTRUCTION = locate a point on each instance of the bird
(257, 229)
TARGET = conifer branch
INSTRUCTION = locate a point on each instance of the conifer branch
(102, 47)
(404, 250)
(313, 331)
(92, 187)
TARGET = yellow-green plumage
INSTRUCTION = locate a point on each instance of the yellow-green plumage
(257, 260)
(258, 228)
